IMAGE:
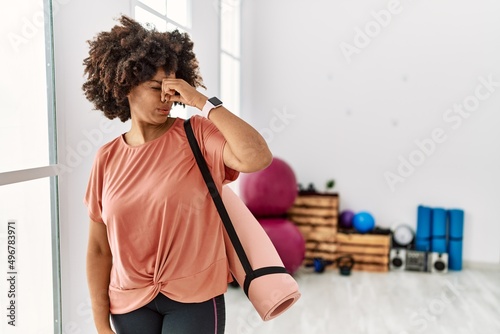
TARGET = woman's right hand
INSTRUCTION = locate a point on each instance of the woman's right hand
(99, 262)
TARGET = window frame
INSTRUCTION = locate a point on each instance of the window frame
(51, 170)
(234, 57)
(168, 20)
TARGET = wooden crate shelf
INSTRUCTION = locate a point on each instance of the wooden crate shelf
(316, 216)
(369, 251)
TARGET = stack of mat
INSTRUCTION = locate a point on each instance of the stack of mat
(369, 251)
(441, 231)
(316, 216)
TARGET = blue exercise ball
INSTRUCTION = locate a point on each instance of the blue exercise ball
(363, 222)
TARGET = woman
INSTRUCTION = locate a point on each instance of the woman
(156, 259)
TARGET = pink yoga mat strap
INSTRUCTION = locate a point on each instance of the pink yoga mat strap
(273, 289)
(261, 272)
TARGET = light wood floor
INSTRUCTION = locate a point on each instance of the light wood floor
(465, 302)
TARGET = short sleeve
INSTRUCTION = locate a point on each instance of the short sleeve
(93, 195)
(212, 146)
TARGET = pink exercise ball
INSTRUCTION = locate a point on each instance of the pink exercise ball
(287, 240)
(271, 191)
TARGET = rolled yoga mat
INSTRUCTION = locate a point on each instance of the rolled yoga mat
(455, 243)
(423, 234)
(272, 294)
(439, 228)
(438, 245)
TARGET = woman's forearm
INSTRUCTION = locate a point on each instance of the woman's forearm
(247, 145)
(98, 273)
(249, 151)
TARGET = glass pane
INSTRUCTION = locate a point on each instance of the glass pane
(230, 83)
(159, 5)
(171, 27)
(24, 141)
(230, 26)
(30, 240)
(178, 11)
(145, 17)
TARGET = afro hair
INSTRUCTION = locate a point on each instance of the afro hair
(130, 54)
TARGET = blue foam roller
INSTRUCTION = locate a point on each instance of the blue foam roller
(438, 245)
(455, 254)
(456, 223)
(424, 215)
(423, 245)
(438, 222)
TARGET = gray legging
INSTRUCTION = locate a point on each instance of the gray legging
(164, 315)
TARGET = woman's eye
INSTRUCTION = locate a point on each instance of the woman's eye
(156, 88)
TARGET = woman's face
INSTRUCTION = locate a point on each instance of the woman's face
(145, 100)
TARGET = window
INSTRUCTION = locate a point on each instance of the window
(23, 119)
(176, 13)
(165, 15)
(29, 230)
(230, 62)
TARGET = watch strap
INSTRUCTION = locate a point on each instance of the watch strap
(209, 106)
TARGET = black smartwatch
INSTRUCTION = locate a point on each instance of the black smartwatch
(212, 103)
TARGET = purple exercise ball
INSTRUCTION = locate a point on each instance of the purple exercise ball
(345, 219)
(271, 191)
(287, 240)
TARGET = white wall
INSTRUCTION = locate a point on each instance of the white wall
(352, 120)
(82, 130)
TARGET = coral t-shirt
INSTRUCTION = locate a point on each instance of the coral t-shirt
(164, 231)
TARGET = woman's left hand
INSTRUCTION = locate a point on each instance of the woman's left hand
(187, 93)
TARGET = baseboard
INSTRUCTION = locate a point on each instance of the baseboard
(481, 265)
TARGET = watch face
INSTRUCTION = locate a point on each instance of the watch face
(215, 101)
(403, 235)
